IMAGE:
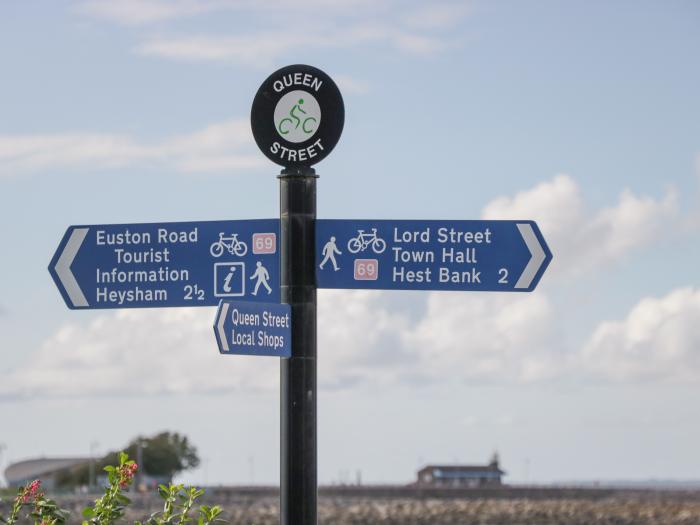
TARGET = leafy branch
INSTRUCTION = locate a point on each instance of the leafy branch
(178, 503)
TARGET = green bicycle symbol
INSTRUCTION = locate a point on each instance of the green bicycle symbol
(284, 126)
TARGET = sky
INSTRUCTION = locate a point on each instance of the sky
(582, 116)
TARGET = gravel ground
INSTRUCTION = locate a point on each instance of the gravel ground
(650, 509)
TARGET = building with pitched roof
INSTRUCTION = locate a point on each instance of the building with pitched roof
(462, 475)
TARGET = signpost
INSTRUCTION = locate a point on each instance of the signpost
(167, 264)
(486, 256)
(297, 118)
(246, 328)
(249, 267)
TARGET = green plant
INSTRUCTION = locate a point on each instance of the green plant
(179, 502)
(110, 507)
(47, 512)
(43, 511)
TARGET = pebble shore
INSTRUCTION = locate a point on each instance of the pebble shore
(481, 512)
(637, 509)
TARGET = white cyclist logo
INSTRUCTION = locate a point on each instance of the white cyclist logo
(297, 116)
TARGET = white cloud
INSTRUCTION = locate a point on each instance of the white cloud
(436, 15)
(418, 44)
(173, 351)
(479, 337)
(351, 85)
(359, 338)
(658, 340)
(278, 28)
(497, 339)
(135, 12)
(143, 12)
(473, 337)
(262, 49)
(221, 147)
(257, 50)
(137, 352)
(37, 152)
(583, 239)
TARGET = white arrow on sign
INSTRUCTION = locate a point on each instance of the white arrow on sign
(223, 312)
(536, 252)
(63, 271)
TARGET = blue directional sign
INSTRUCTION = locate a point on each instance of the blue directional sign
(168, 264)
(246, 328)
(489, 256)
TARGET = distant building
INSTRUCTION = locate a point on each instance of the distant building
(47, 470)
(461, 475)
(56, 471)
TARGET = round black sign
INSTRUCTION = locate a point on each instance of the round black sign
(297, 116)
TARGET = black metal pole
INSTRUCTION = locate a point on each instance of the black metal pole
(298, 482)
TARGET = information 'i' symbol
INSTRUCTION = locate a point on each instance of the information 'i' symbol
(227, 280)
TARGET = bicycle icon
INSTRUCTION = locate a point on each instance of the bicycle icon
(232, 244)
(290, 121)
(365, 240)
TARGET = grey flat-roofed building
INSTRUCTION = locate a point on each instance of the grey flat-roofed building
(45, 469)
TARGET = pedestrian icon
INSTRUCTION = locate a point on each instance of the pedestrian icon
(365, 240)
(262, 276)
(330, 250)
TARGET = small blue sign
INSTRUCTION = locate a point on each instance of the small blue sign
(487, 256)
(168, 264)
(245, 328)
